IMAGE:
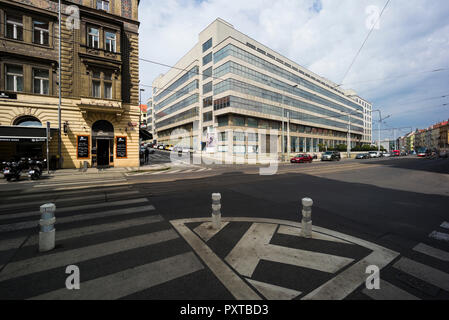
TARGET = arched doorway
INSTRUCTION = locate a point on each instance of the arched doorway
(31, 147)
(102, 144)
(27, 121)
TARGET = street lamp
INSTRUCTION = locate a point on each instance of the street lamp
(140, 117)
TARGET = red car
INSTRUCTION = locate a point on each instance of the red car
(396, 153)
(300, 158)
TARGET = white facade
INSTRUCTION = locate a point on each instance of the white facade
(230, 82)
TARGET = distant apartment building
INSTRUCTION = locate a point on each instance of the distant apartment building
(230, 94)
(99, 83)
(150, 117)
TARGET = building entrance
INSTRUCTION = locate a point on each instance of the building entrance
(102, 144)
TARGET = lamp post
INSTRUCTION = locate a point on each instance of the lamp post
(380, 121)
(59, 90)
(140, 118)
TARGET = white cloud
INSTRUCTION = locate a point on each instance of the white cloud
(413, 37)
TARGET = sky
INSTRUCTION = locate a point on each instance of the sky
(402, 68)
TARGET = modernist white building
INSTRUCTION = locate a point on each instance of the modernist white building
(231, 93)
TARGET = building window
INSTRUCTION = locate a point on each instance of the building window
(96, 85)
(14, 78)
(207, 58)
(252, 122)
(239, 121)
(207, 87)
(207, 45)
(103, 5)
(111, 42)
(93, 36)
(207, 102)
(107, 85)
(207, 73)
(40, 81)
(40, 32)
(207, 116)
(14, 27)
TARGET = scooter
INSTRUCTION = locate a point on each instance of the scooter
(12, 170)
(35, 169)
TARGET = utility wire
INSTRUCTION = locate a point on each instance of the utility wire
(366, 39)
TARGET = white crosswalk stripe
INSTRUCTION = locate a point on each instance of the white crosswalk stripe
(445, 225)
(388, 291)
(423, 272)
(439, 236)
(432, 252)
(97, 245)
(76, 218)
(130, 281)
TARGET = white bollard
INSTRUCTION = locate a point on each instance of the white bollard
(216, 214)
(306, 222)
(47, 223)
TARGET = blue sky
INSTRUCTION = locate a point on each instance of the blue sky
(395, 70)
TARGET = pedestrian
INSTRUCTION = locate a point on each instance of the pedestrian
(147, 155)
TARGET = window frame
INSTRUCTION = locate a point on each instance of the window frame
(106, 39)
(103, 7)
(41, 33)
(15, 76)
(89, 34)
(15, 25)
(41, 81)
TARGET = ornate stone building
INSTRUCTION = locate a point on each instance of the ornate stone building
(99, 83)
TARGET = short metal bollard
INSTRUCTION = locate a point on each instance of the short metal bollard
(306, 222)
(216, 213)
(47, 223)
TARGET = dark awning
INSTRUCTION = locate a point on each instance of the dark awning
(145, 135)
(23, 134)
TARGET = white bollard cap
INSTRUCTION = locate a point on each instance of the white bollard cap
(48, 207)
(307, 202)
(216, 196)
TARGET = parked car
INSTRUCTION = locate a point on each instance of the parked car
(301, 158)
(386, 154)
(331, 156)
(362, 156)
(161, 147)
(374, 154)
(396, 153)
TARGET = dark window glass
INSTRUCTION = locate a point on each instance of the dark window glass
(14, 27)
(207, 45)
(207, 116)
(207, 87)
(207, 73)
(40, 32)
(207, 58)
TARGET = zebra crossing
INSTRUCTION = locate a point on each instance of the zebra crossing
(171, 171)
(425, 279)
(120, 244)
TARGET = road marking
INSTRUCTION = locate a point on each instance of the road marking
(206, 230)
(79, 182)
(425, 273)
(42, 195)
(57, 201)
(83, 186)
(272, 292)
(236, 286)
(388, 291)
(84, 231)
(439, 236)
(75, 218)
(75, 208)
(337, 288)
(432, 252)
(315, 235)
(65, 258)
(174, 171)
(127, 282)
(445, 225)
(258, 238)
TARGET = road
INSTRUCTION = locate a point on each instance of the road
(392, 213)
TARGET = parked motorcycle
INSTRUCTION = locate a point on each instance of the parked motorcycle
(35, 169)
(12, 170)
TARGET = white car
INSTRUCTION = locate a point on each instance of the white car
(374, 154)
(386, 154)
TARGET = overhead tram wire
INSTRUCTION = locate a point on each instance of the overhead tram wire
(363, 44)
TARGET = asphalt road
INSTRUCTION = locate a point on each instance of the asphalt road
(109, 226)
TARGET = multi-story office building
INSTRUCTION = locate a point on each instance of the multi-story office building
(99, 83)
(230, 93)
(150, 118)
